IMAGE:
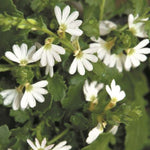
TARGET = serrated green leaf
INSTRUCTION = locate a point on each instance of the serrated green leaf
(20, 116)
(56, 87)
(101, 143)
(4, 136)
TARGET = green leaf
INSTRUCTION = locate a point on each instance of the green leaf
(79, 121)
(139, 128)
(4, 136)
(20, 116)
(9, 7)
(101, 143)
(74, 99)
(93, 2)
(57, 87)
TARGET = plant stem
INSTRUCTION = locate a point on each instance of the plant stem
(7, 60)
(58, 136)
(102, 9)
(123, 28)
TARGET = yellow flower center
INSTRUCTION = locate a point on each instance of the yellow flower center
(78, 54)
(61, 30)
(29, 87)
(108, 45)
(48, 43)
(23, 62)
(130, 51)
(133, 30)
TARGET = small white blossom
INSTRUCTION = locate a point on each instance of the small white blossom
(37, 146)
(49, 70)
(114, 129)
(117, 60)
(68, 23)
(91, 90)
(137, 28)
(94, 133)
(103, 49)
(136, 55)
(115, 92)
(106, 26)
(12, 96)
(48, 54)
(82, 61)
(32, 93)
(21, 54)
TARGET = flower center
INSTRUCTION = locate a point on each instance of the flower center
(23, 62)
(133, 30)
(48, 43)
(40, 149)
(129, 51)
(61, 30)
(78, 54)
(29, 87)
(93, 99)
(108, 45)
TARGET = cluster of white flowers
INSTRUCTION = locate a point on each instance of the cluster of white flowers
(133, 56)
(37, 146)
(32, 93)
(91, 92)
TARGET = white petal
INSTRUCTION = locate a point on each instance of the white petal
(72, 17)
(56, 56)
(38, 97)
(37, 143)
(121, 95)
(50, 59)
(80, 67)
(31, 100)
(42, 83)
(142, 44)
(17, 51)
(24, 101)
(58, 49)
(60, 145)
(12, 57)
(91, 57)
(130, 20)
(127, 64)
(73, 66)
(135, 61)
(24, 49)
(76, 31)
(65, 14)
(44, 58)
(109, 91)
(143, 51)
(16, 102)
(87, 65)
(31, 51)
(141, 57)
(37, 54)
(57, 14)
(75, 24)
(43, 144)
(31, 144)
(49, 147)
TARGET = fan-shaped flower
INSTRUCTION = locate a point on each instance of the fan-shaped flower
(68, 23)
(48, 53)
(21, 54)
(136, 55)
(82, 61)
(106, 26)
(37, 146)
(91, 90)
(115, 92)
(94, 133)
(137, 28)
(32, 93)
(12, 96)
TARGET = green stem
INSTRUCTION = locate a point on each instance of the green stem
(123, 28)
(102, 9)
(49, 32)
(7, 60)
(58, 136)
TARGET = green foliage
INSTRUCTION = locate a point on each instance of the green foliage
(19, 116)
(4, 136)
(57, 87)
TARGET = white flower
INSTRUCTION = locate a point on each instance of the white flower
(137, 28)
(68, 23)
(82, 61)
(103, 49)
(106, 26)
(91, 91)
(115, 92)
(94, 133)
(37, 146)
(12, 96)
(62, 146)
(114, 129)
(49, 70)
(21, 54)
(34, 92)
(117, 61)
(48, 53)
(136, 55)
